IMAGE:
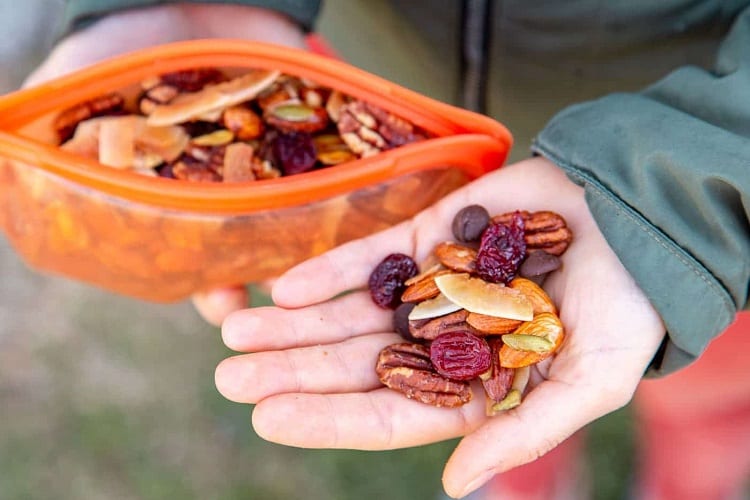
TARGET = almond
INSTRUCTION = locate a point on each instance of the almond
(540, 301)
(423, 289)
(460, 258)
(544, 325)
(492, 325)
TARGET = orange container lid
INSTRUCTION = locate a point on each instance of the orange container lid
(470, 141)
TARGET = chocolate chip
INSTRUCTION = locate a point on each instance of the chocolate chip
(470, 222)
(401, 320)
(538, 264)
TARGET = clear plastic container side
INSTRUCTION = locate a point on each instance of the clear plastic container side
(164, 255)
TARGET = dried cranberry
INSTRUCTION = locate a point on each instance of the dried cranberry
(501, 251)
(386, 281)
(165, 170)
(192, 80)
(294, 152)
(460, 355)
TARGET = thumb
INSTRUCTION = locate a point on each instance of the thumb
(548, 415)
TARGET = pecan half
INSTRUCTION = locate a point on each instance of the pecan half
(407, 368)
(368, 129)
(543, 230)
(428, 329)
(498, 380)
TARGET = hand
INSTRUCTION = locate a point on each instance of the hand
(114, 35)
(311, 371)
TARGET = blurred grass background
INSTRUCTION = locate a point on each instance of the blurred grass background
(106, 397)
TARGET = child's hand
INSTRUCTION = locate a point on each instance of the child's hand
(312, 376)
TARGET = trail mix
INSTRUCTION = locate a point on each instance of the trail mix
(476, 309)
(203, 125)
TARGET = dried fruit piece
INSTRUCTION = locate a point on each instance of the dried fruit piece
(470, 222)
(543, 230)
(294, 152)
(479, 296)
(186, 107)
(238, 163)
(386, 281)
(545, 325)
(460, 355)
(501, 250)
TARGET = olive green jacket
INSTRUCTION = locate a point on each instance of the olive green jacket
(666, 171)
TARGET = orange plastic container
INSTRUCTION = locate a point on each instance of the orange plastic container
(160, 239)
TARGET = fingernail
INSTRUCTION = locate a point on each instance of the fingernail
(477, 483)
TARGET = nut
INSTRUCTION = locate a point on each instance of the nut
(407, 368)
(243, 121)
(530, 343)
(429, 329)
(543, 230)
(492, 325)
(296, 117)
(540, 301)
(423, 289)
(460, 258)
(544, 325)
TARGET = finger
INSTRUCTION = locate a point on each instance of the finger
(344, 268)
(344, 367)
(378, 420)
(215, 305)
(271, 328)
(548, 415)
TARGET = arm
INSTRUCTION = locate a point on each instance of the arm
(666, 178)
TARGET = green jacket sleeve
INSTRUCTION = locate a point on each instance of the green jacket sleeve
(666, 174)
(80, 13)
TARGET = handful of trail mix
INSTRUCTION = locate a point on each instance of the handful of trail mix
(475, 310)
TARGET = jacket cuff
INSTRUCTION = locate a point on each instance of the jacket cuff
(81, 13)
(614, 148)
